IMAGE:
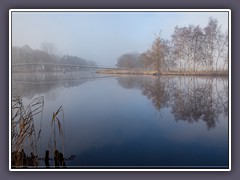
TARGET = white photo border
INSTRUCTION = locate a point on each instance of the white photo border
(121, 10)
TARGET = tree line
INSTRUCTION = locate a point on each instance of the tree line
(47, 54)
(190, 49)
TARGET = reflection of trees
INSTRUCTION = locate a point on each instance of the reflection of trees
(29, 90)
(191, 98)
(131, 82)
(154, 89)
(157, 92)
(222, 94)
(35, 84)
(196, 100)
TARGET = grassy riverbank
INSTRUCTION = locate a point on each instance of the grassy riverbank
(150, 72)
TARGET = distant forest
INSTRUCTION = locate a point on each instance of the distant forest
(191, 48)
(47, 54)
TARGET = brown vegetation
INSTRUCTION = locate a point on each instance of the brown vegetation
(25, 137)
(152, 72)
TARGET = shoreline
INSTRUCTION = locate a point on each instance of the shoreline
(175, 73)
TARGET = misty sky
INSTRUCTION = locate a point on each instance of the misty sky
(102, 36)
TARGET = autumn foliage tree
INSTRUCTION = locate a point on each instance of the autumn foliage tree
(157, 56)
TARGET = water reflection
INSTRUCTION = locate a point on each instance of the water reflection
(31, 84)
(191, 99)
(112, 121)
(157, 92)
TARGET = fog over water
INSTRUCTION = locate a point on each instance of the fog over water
(102, 36)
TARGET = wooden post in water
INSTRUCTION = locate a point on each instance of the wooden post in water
(47, 159)
(56, 159)
(61, 160)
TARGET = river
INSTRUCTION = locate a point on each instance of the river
(131, 121)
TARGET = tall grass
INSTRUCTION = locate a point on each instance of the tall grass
(25, 137)
(57, 124)
(23, 134)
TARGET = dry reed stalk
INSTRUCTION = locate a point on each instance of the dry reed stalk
(57, 118)
(22, 125)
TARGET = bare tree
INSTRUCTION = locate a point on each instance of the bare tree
(179, 37)
(198, 39)
(129, 60)
(146, 59)
(48, 47)
(210, 32)
(222, 49)
(158, 53)
(195, 47)
(216, 45)
(27, 51)
(158, 57)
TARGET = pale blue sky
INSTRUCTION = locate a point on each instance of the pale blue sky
(102, 36)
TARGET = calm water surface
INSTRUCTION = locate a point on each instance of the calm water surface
(135, 121)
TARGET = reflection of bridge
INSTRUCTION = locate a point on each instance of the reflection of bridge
(48, 67)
